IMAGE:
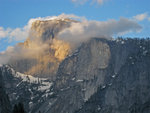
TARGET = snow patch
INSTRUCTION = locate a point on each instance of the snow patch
(122, 42)
(103, 87)
(132, 62)
(79, 80)
(45, 86)
(28, 78)
(61, 89)
(113, 76)
(73, 78)
(110, 84)
(98, 108)
(84, 89)
(145, 52)
(30, 104)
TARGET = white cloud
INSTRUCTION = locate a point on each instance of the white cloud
(72, 16)
(141, 17)
(5, 55)
(75, 34)
(92, 28)
(2, 32)
(84, 29)
(19, 34)
(79, 32)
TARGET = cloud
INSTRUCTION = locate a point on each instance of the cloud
(20, 34)
(100, 2)
(84, 30)
(16, 34)
(141, 17)
(61, 16)
(3, 33)
(78, 32)
(21, 52)
(5, 55)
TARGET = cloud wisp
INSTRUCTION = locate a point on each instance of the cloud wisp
(84, 30)
(141, 17)
(16, 34)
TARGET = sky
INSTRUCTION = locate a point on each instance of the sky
(17, 13)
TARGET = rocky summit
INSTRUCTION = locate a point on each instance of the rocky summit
(42, 52)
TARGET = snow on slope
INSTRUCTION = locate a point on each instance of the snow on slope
(44, 83)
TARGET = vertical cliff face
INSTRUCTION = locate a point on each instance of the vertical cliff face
(104, 76)
(128, 91)
(83, 67)
(79, 76)
(41, 54)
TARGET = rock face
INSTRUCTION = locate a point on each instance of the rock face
(129, 90)
(78, 75)
(46, 30)
(101, 76)
(30, 91)
(5, 106)
(42, 52)
(104, 77)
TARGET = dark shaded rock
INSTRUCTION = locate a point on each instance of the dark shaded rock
(129, 91)
(5, 106)
(28, 90)
(104, 76)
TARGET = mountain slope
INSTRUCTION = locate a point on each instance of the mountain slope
(5, 106)
(129, 91)
(103, 76)
(29, 90)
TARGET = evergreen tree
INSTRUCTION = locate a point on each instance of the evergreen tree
(19, 108)
(15, 110)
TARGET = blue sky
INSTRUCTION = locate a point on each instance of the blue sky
(16, 13)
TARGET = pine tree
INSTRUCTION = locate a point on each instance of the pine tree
(15, 110)
(19, 108)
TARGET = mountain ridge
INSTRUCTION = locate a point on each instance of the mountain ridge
(100, 76)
